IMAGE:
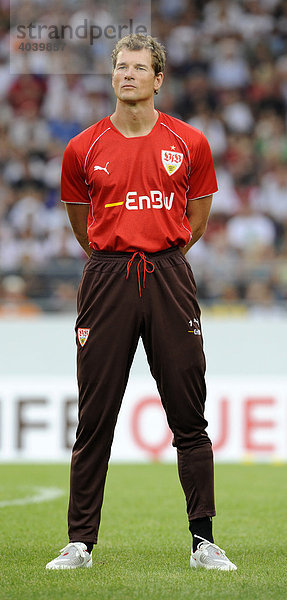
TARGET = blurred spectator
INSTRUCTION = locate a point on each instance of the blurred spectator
(196, 90)
(249, 230)
(226, 201)
(14, 300)
(256, 20)
(272, 196)
(27, 93)
(29, 212)
(228, 68)
(221, 17)
(260, 299)
(212, 127)
(236, 114)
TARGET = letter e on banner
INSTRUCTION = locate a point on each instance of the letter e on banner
(251, 424)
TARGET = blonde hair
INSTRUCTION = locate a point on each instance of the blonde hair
(137, 41)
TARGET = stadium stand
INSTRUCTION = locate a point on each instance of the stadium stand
(227, 75)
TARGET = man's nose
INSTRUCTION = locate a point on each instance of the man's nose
(129, 73)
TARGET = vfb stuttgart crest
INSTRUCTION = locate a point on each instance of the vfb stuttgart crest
(83, 335)
(171, 160)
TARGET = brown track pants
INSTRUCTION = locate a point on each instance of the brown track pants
(165, 314)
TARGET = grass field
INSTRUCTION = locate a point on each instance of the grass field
(144, 545)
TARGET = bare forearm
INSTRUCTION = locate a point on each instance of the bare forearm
(196, 235)
(84, 243)
(197, 214)
(78, 215)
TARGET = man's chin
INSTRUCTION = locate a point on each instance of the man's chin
(127, 97)
(128, 93)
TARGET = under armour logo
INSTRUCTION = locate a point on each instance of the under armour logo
(97, 168)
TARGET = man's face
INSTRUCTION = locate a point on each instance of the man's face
(133, 77)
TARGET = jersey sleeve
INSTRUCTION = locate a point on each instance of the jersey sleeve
(74, 189)
(202, 178)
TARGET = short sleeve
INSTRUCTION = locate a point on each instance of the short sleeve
(73, 186)
(202, 179)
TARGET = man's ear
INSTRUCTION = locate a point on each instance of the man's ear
(158, 82)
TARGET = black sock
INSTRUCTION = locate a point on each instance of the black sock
(203, 528)
(89, 546)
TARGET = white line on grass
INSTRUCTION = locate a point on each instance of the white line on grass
(42, 494)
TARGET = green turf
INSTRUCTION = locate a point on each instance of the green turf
(144, 545)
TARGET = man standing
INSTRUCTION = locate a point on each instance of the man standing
(138, 188)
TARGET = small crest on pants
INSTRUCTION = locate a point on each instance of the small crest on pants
(83, 335)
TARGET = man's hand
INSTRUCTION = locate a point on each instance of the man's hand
(78, 215)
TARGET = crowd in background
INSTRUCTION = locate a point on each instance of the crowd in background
(227, 76)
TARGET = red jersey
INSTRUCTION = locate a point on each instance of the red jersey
(138, 187)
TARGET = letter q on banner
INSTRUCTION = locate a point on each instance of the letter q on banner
(149, 427)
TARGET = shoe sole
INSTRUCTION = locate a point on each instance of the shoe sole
(196, 565)
(66, 567)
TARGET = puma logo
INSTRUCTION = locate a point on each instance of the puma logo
(97, 168)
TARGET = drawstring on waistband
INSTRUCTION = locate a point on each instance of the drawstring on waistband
(143, 259)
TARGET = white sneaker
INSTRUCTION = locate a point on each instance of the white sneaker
(210, 556)
(75, 555)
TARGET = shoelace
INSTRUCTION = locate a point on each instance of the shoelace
(207, 544)
(143, 259)
(81, 551)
